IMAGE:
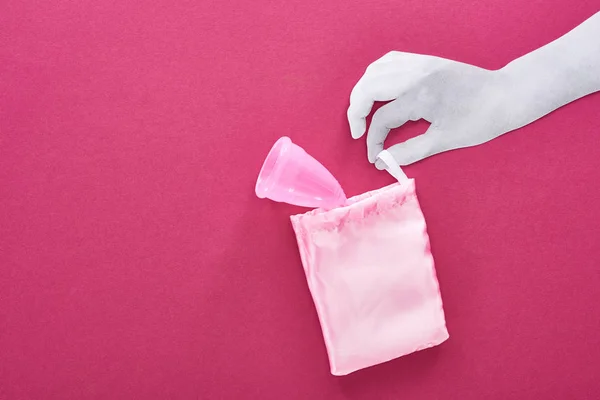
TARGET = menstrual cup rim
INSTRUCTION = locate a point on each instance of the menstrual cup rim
(264, 183)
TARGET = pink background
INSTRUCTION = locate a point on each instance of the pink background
(136, 262)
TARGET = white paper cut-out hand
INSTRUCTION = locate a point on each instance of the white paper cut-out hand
(468, 105)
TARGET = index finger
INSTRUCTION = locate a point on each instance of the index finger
(361, 104)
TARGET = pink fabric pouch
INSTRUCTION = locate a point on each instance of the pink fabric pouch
(371, 276)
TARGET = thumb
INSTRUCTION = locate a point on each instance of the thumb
(417, 148)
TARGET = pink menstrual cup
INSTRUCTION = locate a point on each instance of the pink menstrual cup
(290, 175)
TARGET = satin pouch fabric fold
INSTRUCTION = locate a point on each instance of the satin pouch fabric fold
(371, 275)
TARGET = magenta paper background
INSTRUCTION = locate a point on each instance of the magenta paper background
(137, 263)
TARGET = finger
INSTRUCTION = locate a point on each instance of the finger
(361, 103)
(417, 148)
(373, 86)
(357, 112)
(390, 116)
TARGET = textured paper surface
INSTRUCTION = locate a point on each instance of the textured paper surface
(136, 261)
(468, 105)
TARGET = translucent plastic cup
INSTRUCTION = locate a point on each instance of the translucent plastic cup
(290, 175)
